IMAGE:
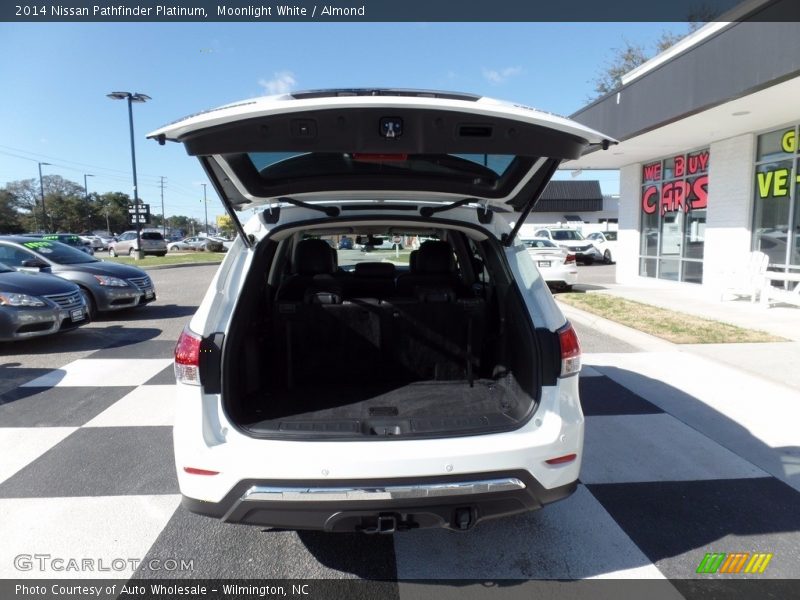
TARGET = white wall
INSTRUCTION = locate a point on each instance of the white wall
(630, 190)
(730, 205)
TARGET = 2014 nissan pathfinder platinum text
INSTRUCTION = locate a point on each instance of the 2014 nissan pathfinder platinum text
(429, 386)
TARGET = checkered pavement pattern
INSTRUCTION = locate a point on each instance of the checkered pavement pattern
(87, 470)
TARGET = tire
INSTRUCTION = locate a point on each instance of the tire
(90, 303)
(160, 254)
(173, 249)
(607, 257)
(131, 252)
(112, 252)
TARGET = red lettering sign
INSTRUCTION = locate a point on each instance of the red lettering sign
(680, 167)
(698, 163)
(652, 172)
(700, 192)
(648, 202)
(674, 197)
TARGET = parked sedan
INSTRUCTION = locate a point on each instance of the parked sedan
(196, 244)
(556, 265)
(152, 243)
(606, 244)
(36, 304)
(105, 286)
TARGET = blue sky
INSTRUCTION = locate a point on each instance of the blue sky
(55, 78)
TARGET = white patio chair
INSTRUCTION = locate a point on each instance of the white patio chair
(747, 279)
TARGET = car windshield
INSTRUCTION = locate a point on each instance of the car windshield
(566, 234)
(59, 253)
(611, 236)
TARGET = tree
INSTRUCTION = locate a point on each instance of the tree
(10, 216)
(225, 224)
(630, 56)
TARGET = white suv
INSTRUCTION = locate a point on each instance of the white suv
(342, 391)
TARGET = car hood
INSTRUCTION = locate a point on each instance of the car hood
(103, 268)
(372, 145)
(35, 284)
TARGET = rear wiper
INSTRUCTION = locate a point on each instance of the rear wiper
(331, 211)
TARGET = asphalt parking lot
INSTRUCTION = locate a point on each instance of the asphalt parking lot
(86, 470)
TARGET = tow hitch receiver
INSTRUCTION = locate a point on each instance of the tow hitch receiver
(386, 523)
(463, 518)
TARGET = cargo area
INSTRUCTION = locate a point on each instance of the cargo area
(380, 351)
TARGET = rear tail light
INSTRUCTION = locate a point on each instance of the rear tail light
(187, 358)
(570, 350)
(570, 259)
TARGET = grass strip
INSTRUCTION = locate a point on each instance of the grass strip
(169, 259)
(678, 328)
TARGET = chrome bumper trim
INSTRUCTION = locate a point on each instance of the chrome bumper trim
(259, 493)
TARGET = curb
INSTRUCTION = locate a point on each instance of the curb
(642, 341)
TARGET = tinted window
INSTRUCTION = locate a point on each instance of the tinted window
(611, 236)
(539, 244)
(151, 235)
(566, 234)
(58, 253)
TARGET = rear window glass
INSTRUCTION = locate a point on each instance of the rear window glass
(611, 236)
(151, 235)
(291, 164)
(563, 235)
(539, 244)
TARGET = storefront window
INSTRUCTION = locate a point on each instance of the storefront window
(673, 217)
(776, 220)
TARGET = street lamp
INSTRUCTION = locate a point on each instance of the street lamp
(41, 190)
(131, 98)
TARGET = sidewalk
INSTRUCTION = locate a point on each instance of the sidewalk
(783, 321)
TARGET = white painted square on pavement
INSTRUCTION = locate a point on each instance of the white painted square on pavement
(20, 446)
(574, 538)
(147, 405)
(103, 372)
(655, 447)
(105, 530)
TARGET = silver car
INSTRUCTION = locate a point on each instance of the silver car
(152, 243)
(36, 304)
(105, 286)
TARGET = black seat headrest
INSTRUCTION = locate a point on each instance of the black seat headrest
(313, 257)
(435, 257)
(375, 269)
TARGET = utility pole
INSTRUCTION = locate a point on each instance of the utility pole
(41, 190)
(205, 204)
(163, 214)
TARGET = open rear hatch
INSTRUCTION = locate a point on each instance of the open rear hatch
(380, 144)
(352, 367)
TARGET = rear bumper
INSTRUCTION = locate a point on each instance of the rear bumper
(453, 502)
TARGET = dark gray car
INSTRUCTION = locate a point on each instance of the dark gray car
(106, 286)
(35, 304)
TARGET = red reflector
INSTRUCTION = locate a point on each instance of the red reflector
(562, 459)
(187, 350)
(195, 471)
(365, 157)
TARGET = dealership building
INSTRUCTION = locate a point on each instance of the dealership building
(708, 154)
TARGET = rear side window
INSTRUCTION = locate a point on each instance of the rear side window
(566, 235)
(151, 235)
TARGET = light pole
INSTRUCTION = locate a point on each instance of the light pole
(205, 205)
(86, 196)
(41, 190)
(131, 98)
